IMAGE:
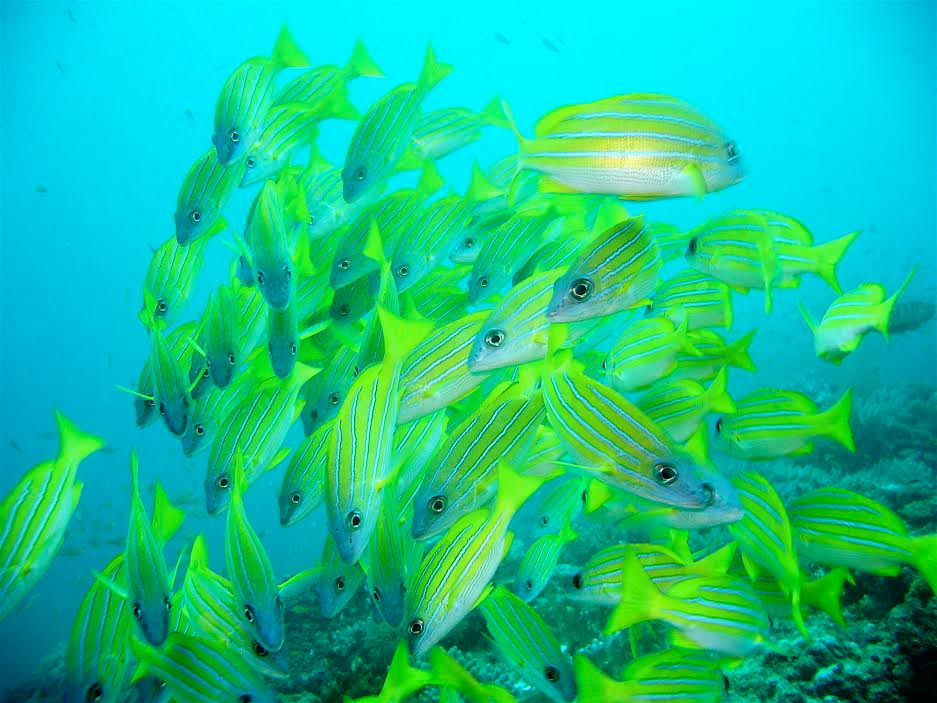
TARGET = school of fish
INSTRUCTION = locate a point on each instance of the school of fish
(451, 357)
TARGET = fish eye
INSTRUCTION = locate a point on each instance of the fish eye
(245, 698)
(167, 603)
(288, 272)
(581, 289)
(495, 338)
(344, 309)
(403, 270)
(162, 408)
(195, 217)
(223, 482)
(544, 520)
(234, 136)
(361, 174)
(231, 358)
(415, 627)
(691, 247)
(468, 243)
(250, 163)
(312, 219)
(353, 519)
(732, 151)
(339, 583)
(161, 305)
(293, 348)
(529, 584)
(149, 402)
(585, 496)
(552, 674)
(314, 414)
(295, 498)
(280, 603)
(709, 493)
(205, 370)
(137, 611)
(344, 264)
(719, 425)
(95, 693)
(260, 278)
(665, 474)
(376, 594)
(199, 430)
(355, 371)
(259, 649)
(249, 613)
(437, 504)
(577, 581)
(605, 364)
(333, 398)
(483, 281)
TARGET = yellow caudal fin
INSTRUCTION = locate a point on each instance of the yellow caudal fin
(737, 352)
(924, 559)
(167, 518)
(595, 686)
(697, 446)
(513, 489)
(718, 399)
(294, 588)
(834, 422)
(884, 311)
(640, 598)
(597, 494)
(286, 52)
(480, 188)
(361, 63)
(827, 257)
(682, 341)
(433, 71)
(717, 563)
(797, 614)
(493, 114)
(825, 592)
(401, 336)
(431, 179)
(198, 556)
(75, 445)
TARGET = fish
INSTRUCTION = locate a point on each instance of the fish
(286, 128)
(852, 316)
(402, 680)
(544, 455)
(339, 580)
(453, 678)
(508, 248)
(670, 676)
(208, 414)
(465, 475)
(169, 280)
(144, 402)
(247, 95)
(269, 242)
(219, 335)
(330, 83)
(203, 195)
(391, 560)
(472, 548)
(527, 644)
(617, 444)
(325, 392)
(437, 373)
(359, 461)
(536, 568)
(647, 351)
(712, 354)
(561, 499)
(414, 445)
(212, 610)
(199, 669)
(36, 513)
(837, 527)
(284, 331)
(823, 593)
(441, 132)
(696, 297)
(765, 537)
(909, 315)
(720, 613)
(637, 146)
(171, 385)
(96, 662)
(255, 429)
(679, 407)
(671, 240)
(255, 590)
(304, 481)
(617, 271)
(252, 318)
(769, 423)
(736, 248)
(385, 131)
(149, 586)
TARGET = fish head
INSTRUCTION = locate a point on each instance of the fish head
(195, 219)
(217, 488)
(292, 502)
(724, 509)
(357, 179)
(389, 601)
(527, 585)
(557, 679)
(466, 248)
(199, 370)
(336, 588)
(578, 296)
(151, 689)
(230, 143)
(150, 605)
(351, 302)
(175, 412)
(145, 410)
(729, 170)
(727, 438)
(92, 690)
(259, 166)
(282, 350)
(670, 477)
(275, 281)
(484, 283)
(194, 437)
(434, 511)
(263, 617)
(244, 272)
(423, 631)
(351, 528)
(410, 267)
(506, 342)
(323, 218)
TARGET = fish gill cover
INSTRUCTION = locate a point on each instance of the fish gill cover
(450, 407)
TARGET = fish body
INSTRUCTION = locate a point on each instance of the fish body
(679, 407)
(538, 563)
(219, 337)
(325, 392)
(286, 128)
(284, 326)
(304, 481)
(646, 352)
(208, 414)
(169, 279)
(338, 582)
(441, 132)
(270, 247)
(712, 354)
(696, 297)
(203, 195)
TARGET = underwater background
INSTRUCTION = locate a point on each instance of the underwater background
(105, 104)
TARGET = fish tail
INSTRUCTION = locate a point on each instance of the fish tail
(738, 354)
(595, 686)
(401, 336)
(198, 556)
(431, 179)
(886, 307)
(480, 187)
(361, 64)
(597, 495)
(825, 594)
(286, 52)
(697, 446)
(836, 421)
(924, 551)
(141, 652)
(404, 676)
(719, 561)
(797, 614)
(639, 597)
(717, 395)
(567, 533)
(75, 445)
(493, 114)
(167, 518)
(513, 489)
(433, 71)
(828, 257)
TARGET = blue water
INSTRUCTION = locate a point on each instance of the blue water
(106, 104)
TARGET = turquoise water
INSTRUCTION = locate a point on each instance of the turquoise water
(105, 105)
